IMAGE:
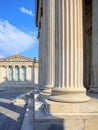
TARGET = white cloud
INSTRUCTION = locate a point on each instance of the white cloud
(12, 39)
(25, 11)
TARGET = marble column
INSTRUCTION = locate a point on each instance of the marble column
(13, 72)
(41, 69)
(4, 74)
(42, 54)
(35, 73)
(50, 45)
(7, 73)
(94, 82)
(20, 70)
(28, 73)
(44, 40)
(69, 53)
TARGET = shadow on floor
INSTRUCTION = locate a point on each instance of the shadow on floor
(93, 95)
(8, 120)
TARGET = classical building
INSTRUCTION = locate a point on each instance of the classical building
(68, 63)
(66, 26)
(18, 71)
(62, 40)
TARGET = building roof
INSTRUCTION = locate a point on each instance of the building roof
(17, 58)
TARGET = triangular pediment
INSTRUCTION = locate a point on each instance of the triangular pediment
(16, 58)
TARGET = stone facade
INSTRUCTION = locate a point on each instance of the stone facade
(18, 71)
(68, 53)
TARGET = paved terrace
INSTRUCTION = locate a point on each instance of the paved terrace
(11, 115)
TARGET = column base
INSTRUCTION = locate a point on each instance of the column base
(47, 89)
(66, 116)
(69, 95)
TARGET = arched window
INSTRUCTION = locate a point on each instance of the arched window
(17, 73)
(23, 73)
(10, 73)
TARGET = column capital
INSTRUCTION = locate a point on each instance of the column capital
(20, 66)
(35, 65)
(28, 66)
(7, 66)
(14, 66)
(2, 66)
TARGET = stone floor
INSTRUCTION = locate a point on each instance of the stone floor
(69, 116)
(93, 95)
(11, 115)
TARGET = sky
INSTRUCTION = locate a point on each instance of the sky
(18, 32)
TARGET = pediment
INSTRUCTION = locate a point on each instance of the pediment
(16, 58)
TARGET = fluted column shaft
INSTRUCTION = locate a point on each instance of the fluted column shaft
(20, 72)
(69, 43)
(45, 51)
(4, 74)
(41, 57)
(7, 72)
(40, 35)
(13, 72)
(51, 45)
(35, 73)
(40, 64)
(28, 73)
(94, 80)
(69, 52)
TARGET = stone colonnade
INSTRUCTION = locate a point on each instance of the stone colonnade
(69, 53)
(64, 50)
(18, 73)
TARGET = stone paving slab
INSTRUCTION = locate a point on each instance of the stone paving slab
(84, 116)
(28, 122)
(11, 115)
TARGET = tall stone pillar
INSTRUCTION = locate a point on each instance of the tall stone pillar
(40, 65)
(50, 45)
(41, 51)
(7, 72)
(14, 76)
(20, 72)
(43, 46)
(69, 53)
(3, 70)
(42, 54)
(28, 73)
(44, 40)
(35, 71)
(94, 82)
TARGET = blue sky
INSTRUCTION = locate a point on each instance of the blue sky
(17, 28)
